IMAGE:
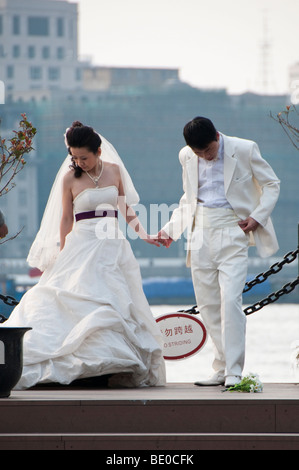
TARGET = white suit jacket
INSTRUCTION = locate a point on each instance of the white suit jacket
(251, 188)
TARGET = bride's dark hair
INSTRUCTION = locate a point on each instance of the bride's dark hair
(79, 136)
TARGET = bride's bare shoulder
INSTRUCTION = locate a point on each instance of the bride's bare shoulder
(68, 177)
(112, 169)
(111, 166)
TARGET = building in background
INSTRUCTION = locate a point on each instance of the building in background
(39, 54)
(38, 48)
(118, 78)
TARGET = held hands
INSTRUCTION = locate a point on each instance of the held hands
(162, 238)
(132, 219)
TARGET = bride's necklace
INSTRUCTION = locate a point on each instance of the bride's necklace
(95, 179)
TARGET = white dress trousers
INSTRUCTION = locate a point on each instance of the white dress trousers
(219, 260)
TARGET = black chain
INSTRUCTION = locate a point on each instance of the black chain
(8, 300)
(191, 311)
(286, 289)
(274, 269)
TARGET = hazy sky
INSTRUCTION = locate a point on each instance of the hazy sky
(215, 43)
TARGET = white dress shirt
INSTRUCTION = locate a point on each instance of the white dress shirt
(211, 180)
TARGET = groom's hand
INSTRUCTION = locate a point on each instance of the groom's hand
(248, 225)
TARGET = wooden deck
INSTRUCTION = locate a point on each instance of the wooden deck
(175, 417)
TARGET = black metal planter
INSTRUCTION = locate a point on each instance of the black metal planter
(11, 358)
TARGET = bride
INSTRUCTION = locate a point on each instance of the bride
(88, 313)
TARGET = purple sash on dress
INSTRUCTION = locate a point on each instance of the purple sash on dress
(94, 214)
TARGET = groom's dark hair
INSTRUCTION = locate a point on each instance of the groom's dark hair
(199, 133)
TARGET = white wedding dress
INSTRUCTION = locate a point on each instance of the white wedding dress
(88, 313)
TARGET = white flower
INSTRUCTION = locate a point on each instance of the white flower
(250, 384)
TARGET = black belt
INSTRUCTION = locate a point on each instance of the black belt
(95, 214)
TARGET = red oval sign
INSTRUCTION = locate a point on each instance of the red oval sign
(184, 335)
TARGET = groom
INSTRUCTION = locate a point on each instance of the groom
(229, 194)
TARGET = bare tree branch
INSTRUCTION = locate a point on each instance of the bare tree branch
(283, 118)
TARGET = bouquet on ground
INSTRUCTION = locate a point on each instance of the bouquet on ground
(249, 384)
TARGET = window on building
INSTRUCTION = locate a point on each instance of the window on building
(38, 26)
(10, 71)
(46, 52)
(35, 73)
(31, 52)
(60, 27)
(78, 74)
(54, 73)
(60, 53)
(16, 51)
(16, 25)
